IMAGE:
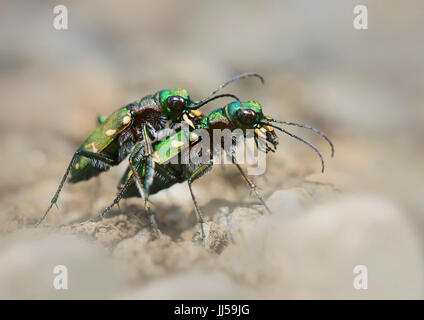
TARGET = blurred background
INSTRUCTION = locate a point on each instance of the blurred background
(364, 88)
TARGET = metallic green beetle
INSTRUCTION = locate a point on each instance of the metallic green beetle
(235, 115)
(122, 133)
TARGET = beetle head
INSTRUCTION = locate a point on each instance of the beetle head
(249, 115)
(174, 102)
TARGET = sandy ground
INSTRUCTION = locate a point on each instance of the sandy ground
(363, 88)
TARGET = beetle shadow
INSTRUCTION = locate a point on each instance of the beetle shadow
(185, 220)
(174, 220)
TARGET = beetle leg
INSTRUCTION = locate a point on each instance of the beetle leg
(84, 153)
(101, 157)
(145, 196)
(116, 201)
(251, 184)
(150, 163)
(196, 174)
(150, 172)
(148, 178)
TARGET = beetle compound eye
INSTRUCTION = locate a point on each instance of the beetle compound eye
(176, 102)
(246, 116)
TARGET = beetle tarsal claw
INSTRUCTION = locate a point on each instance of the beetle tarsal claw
(186, 119)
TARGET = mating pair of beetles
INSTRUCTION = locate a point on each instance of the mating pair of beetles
(135, 130)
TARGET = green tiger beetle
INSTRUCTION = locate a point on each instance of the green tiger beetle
(165, 173)
(124, 131)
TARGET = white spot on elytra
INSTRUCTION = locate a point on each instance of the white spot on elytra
(176, 144)
(91, 146)
(126, 120)
(110, 132)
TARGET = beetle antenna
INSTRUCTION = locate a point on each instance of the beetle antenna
(305, 142)
(309, 128)
(239, 77)
(217, 97)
